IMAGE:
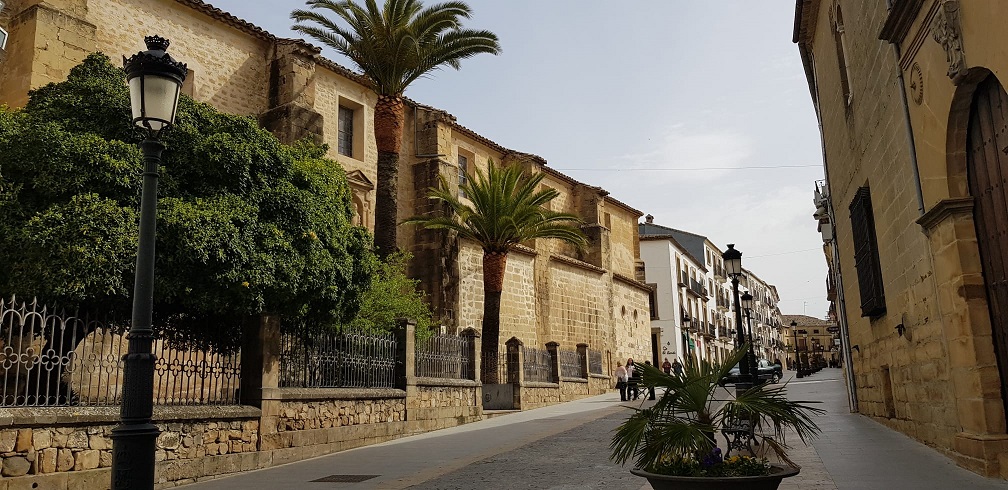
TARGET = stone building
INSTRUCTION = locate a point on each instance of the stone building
(815, 340)
(693, 296)
(552, 292)
(913, 114)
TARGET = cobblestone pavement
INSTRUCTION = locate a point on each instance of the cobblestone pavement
(566, 447)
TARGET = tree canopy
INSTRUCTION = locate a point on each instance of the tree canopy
(246, 224)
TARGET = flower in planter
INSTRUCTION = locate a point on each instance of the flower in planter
(677, 435)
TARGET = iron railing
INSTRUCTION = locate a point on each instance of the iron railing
(75, 359)
(595, 362)
(572, 364)
(538, 365)
(445, 356)
(498, 364)
(338, 360)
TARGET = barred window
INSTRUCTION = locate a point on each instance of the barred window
(344, 141)
(866, 255)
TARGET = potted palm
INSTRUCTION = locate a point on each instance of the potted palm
(674, 443)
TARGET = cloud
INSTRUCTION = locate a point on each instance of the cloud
(683, 153)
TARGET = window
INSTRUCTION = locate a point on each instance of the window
(344, 142)
(463, 166)
(866, 255)
(841, 48)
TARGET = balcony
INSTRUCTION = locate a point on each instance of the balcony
(697, 288)
(831, 292)
(719, 273)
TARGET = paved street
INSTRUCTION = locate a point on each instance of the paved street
(566, 447)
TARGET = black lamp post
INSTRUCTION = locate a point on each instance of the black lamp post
(154, 81)
(747, 304)
(733, 267)
(685, 329)
(794, 328)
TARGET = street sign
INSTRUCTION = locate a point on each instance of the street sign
(833, 329)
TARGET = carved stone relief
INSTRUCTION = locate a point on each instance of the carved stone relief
(947, 31)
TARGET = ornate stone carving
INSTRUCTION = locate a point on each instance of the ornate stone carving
(916, 84)
(947, 31)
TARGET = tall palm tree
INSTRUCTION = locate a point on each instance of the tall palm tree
(502, 208)
(393, 46)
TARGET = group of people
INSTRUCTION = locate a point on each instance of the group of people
(628, 378)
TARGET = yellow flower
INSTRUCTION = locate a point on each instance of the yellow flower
(245, 284)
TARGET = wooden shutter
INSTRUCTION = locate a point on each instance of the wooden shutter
(866, 256)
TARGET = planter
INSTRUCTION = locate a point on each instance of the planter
(767, 482)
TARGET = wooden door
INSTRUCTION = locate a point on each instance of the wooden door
(987, 165)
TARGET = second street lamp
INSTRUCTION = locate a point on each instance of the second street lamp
(747, 304)
(154, 81)
(733, 267)
(797, 360)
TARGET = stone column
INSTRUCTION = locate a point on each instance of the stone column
(475, 361)
(554, 351)
(405, 335)
(515, 369)
(292, 115)
(582, 350)
(260, 367)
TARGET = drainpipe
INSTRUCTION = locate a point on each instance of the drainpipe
(908, 126)
(848, 360)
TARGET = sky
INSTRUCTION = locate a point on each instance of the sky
(696, 112)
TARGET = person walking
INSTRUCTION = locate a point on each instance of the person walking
(650, 387)
(621, 381)
(666, 367)
(677, 368)
(633, 379)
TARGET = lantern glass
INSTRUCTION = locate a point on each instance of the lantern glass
(732, 261)
(154, 99)
(746, 300)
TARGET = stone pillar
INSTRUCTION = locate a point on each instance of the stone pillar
(292, 115)
(554, 347)
(47, 39)
(515, 369)
(582, 350)
(475, 361)
(405, 335)
(260, 367)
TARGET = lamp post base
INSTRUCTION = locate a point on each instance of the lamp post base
(133, 456)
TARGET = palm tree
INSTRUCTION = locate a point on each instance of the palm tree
(393, 46)
(502, 208)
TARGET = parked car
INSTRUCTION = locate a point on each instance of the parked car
(764, 370)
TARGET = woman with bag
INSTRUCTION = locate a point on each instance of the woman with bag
(621, 381)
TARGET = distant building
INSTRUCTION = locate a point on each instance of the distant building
(694, 296)
(914, 116)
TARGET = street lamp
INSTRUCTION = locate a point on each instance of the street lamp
(747, 304)
(733, 267)
(154, 81)
(685, 330)
(794, 329)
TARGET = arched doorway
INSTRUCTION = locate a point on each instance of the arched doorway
(987, 173)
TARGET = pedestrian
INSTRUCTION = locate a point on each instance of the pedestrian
(666, 367)
(677, 367)
(633, 379)
(650, 387)
(621, 381)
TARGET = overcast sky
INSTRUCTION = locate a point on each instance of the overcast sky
(654, 101)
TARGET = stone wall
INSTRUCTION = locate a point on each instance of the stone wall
(632, 328)
(573, 389)
(578, 304)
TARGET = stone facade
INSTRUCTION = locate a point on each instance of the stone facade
(924, 363)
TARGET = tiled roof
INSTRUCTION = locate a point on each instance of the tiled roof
(805, 321)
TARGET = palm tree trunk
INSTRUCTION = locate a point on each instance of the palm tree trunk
(494, 264)
(389, 118)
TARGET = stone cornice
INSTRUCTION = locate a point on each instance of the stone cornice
(633, 282)
(577, 263)
(900, 18)
(946, 208)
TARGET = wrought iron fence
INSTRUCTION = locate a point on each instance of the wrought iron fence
(445, 356)
(75, 359)
(338, 360)
(571, 364)
(538, 365)
(498, 364)
(595, 362)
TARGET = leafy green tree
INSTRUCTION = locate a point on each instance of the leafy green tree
(245, 224)
(393, 46)
(503, 208)
(390, 296)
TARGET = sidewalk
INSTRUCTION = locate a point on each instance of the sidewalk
(566, 447)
